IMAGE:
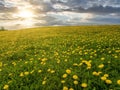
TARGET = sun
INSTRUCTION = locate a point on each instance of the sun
(25, 14)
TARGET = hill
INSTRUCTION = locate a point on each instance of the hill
(56, 58)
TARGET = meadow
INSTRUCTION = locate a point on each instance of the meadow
(60, 58)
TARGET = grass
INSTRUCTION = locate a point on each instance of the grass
(60, 58)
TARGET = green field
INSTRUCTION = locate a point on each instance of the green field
(60, 58)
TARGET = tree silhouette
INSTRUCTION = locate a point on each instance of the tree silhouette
(2, 28)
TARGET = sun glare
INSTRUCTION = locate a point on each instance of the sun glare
(25, 14)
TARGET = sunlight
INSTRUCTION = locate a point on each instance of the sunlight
(25, 14)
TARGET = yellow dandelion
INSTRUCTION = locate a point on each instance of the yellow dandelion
(64, 75)
(65, 88)
(102, 58)
(21, 74)
(49, 70)
(39, 71)
(118, 82)
(26, 73)
(63, 81)
(68, 71)
(101, 66)
(75, 77)
(103, 78)
(71, 89)
(95, 73)
(84, 85)
(75, 82)
(115, 56)
(6, 87)
(1, 64)
(44, 82)
(52, 71)
(108, 81)
(106, 75)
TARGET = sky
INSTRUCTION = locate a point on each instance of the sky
(17, 14)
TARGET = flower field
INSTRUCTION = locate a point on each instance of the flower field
(60, 58)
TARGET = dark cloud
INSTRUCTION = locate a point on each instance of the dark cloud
(6, 9)
(97, 9)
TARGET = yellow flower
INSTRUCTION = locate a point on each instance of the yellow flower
(49, 70)
(108, 81)
(71, 89)
(63, 81)
(65, 88)
(39, 71)
(75, 82)
(64, 75)
(44, 82)
(26, 73)
(103, 78)
(84, 85)
(118, 82)
(75, 77)
(6, 87)
(44, 59)
(101, 66)
(106, 75)
(1, 64)
(21, 74)
(75, 64)
(102, 58)
(96, 73)
(52, 71)
(68, 71)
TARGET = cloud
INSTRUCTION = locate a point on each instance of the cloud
(60, 12)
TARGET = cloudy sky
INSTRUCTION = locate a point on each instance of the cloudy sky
(16, 14)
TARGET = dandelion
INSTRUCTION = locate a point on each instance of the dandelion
(106, 75)
(101, 66)
(44, 82)
(1, 64)
(102, 58)
(118, 82)
(49, 70)
(84, 85)
(6, 87)
(68, 71)
(115, 56)
(108, 81)
(26, 73)
(63, 81)
(39, 71)
(52, 71)
(65, 88)
(75, 64)
(103, 78)
(75, 82)
(95, 73)
(64, 75)
(65, 60)
(21, 74)
(71, 89)
(75, 77)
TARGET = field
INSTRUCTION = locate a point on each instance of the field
(60, 58)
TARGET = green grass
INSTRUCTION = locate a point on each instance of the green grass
(38, 58)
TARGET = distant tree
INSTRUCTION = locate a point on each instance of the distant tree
(2, 28)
